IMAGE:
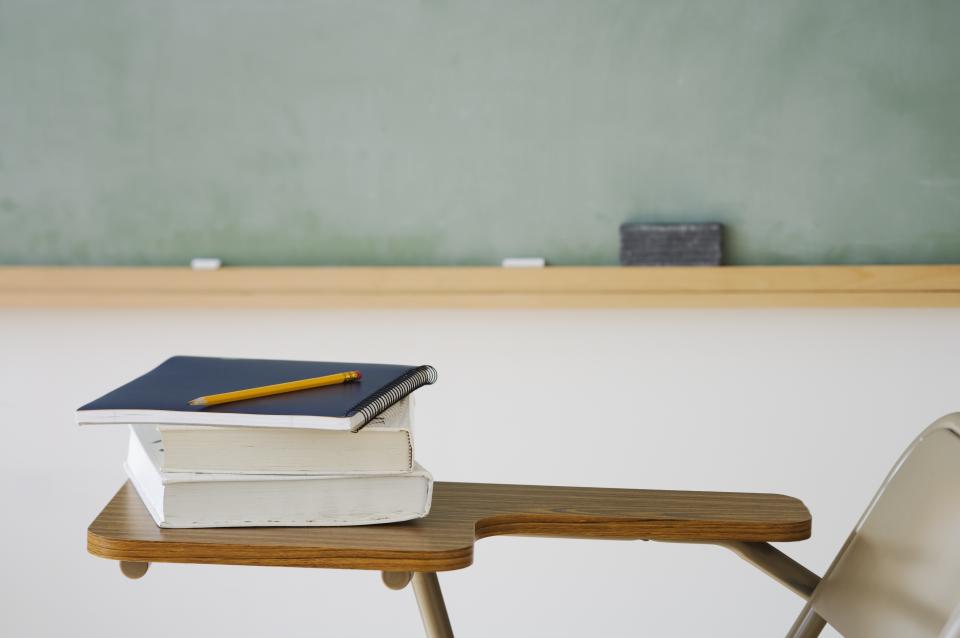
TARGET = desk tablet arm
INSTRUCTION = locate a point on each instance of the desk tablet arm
(461, 514)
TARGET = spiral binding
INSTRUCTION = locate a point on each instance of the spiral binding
(387, 396)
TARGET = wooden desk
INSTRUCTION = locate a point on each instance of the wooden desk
(461, 514)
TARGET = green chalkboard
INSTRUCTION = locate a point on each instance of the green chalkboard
(462, 131)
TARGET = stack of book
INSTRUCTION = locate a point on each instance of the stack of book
(334, 455)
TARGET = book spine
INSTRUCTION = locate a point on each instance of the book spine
(366, 410)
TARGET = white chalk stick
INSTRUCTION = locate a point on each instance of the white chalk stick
(523, 262)
(205, 263)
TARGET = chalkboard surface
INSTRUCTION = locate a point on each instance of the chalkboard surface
(461, 131)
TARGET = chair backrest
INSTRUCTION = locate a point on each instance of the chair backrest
(898, 574)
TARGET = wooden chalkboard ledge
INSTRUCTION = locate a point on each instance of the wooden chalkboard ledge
(481, 287)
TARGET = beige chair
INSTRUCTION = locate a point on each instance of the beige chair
(898, 574)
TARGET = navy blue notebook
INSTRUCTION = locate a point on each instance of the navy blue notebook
(161, 396)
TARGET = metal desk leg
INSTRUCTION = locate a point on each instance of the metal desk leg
(432, 610)
(808, 625)
(777, 565)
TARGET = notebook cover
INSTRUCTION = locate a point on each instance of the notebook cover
(177, 380)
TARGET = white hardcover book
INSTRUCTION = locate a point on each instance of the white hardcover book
(384, 445)
(237, 500)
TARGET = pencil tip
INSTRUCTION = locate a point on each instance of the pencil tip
(199, 401)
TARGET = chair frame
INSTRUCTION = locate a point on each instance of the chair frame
(809, 624)
(764, 556)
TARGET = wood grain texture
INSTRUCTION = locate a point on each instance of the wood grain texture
(477, 287)
(461, 514)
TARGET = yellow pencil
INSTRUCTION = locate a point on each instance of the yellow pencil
(277, 388)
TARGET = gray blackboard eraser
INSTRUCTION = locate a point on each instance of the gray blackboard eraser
(671, 244)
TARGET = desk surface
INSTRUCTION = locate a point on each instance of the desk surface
(461, 514)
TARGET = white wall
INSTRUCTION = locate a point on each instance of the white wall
(811, 403)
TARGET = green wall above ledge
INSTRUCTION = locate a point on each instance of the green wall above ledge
(456, 132)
